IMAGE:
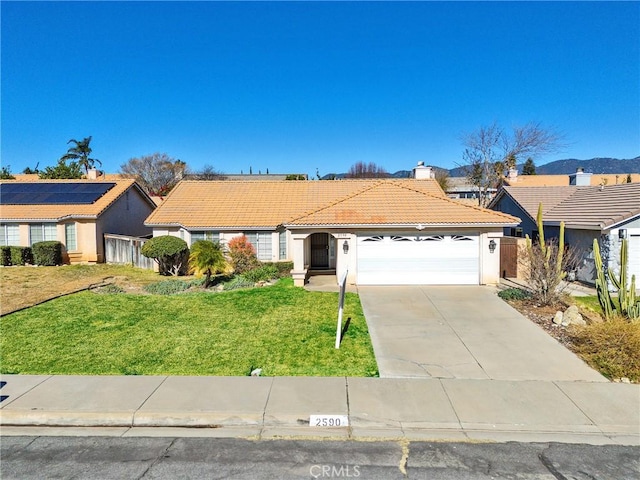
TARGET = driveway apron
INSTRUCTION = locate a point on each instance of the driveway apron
(462, 332)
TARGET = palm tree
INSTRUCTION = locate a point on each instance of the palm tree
(207, 259)
(81, 152)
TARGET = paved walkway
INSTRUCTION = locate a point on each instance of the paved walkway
(462, 332)
(260, 407)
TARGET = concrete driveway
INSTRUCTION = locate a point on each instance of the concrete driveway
(462, 332)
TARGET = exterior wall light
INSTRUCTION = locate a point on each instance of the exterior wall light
(345, 247)
(492, 246)
(622, 233)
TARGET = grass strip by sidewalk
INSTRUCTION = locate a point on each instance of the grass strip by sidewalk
(282, 329)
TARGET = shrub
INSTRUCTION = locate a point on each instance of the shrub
(261, 274)
(21, 255)
(207, 259)
(612, 347)
(284, 268)
(110, 289)
(48, 253)
(167, 287)
(238, 282)
(5, 256)
(546, 263)
(514, 294)
(242, 254)
(170, 253)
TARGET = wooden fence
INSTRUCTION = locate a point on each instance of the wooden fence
(124, 250)
(509, 265)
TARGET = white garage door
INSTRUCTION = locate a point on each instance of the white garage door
(633, 254)
(418, 259)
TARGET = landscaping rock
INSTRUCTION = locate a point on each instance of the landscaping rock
(557, 319)
(572, 316)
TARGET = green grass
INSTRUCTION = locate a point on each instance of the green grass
(282, 329)
(589, 303)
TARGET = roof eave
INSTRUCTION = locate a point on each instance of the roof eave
(47, 219)
(423, 226)
(212, 227)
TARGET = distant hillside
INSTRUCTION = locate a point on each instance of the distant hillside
(594, 165)
(558, 167)
(570, 165)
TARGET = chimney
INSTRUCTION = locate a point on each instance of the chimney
(580, 179)
(512, 176)
(420, 172)
(92, 174)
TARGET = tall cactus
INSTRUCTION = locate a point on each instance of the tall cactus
(602, 286)
(546, 251)
(627, 304)
(545, 282)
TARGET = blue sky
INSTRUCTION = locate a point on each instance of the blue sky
(292, 87)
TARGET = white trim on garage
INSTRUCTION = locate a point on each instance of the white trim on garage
(418, 259)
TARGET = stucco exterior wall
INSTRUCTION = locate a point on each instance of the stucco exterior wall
(489, 263)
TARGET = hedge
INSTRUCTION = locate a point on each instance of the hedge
(21, 255)
(48, 253)
(15, 255)
(5, 256)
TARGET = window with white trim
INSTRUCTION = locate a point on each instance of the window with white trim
(283, 246)
(205, 235)
(9, 234)
(261, 241)
(42, 232)
(70, 239)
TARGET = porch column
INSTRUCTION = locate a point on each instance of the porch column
(299, 272)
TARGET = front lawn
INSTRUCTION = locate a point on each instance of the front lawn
(22, 287)
(282, 329)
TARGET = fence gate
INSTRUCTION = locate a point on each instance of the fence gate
(508, 258)
(124, 250)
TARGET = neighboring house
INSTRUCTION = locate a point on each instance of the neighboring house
(75, 212)
(460, 188)
(608, 213)
(579, 179)
(382, 231)
(249, 177)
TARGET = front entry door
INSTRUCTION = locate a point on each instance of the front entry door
(320, 250)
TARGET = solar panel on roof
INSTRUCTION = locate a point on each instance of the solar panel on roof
(52, 193)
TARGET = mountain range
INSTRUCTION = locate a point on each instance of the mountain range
(557, 167)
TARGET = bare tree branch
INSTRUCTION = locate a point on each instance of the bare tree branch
(491, 150)
(157, 174)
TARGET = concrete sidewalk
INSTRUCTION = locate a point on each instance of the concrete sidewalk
(268, 407)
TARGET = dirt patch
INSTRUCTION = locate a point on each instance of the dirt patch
(616, 366)
(543, 316)
(22, 287)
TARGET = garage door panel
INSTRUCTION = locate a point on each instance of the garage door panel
(445, 261)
